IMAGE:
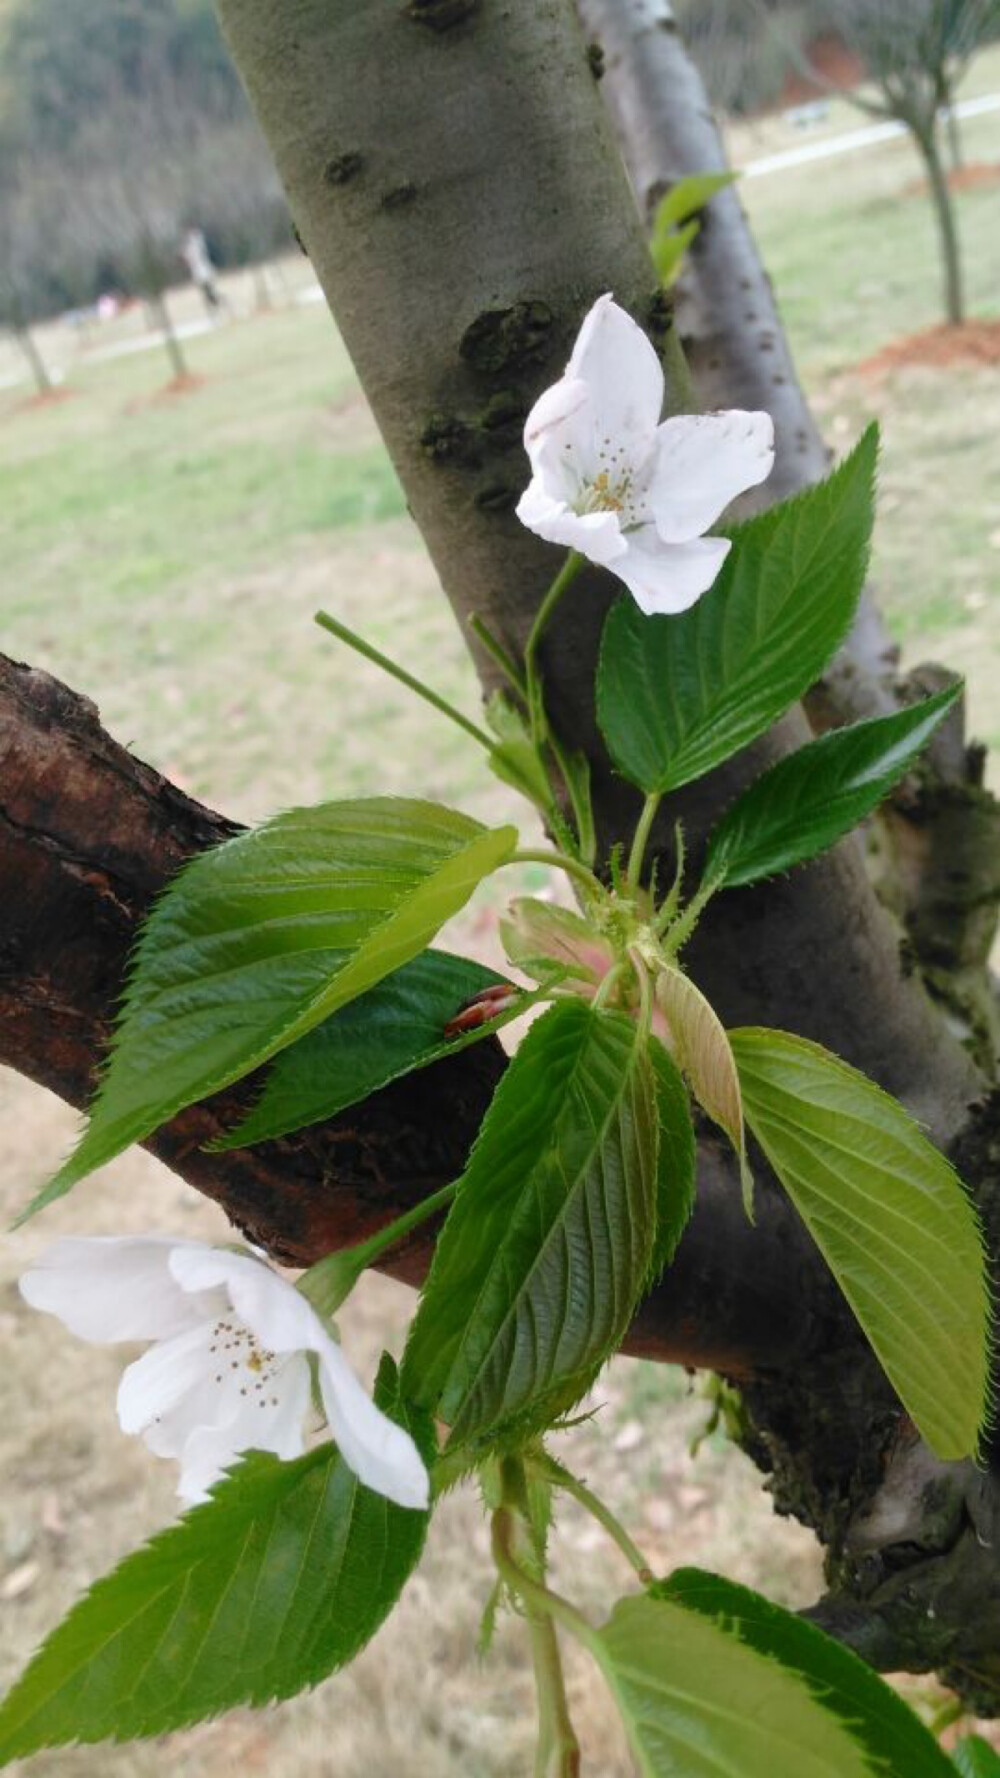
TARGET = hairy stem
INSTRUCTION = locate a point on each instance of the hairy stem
(640, 838)
(559, 861)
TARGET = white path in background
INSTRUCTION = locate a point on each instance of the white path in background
(852, 139)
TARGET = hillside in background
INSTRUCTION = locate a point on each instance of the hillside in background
(122, 123)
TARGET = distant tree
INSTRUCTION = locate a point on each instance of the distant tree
(131, 205)
(22, 255)
(743, 67)
(915, 54)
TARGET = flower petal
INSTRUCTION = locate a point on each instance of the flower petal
(622, 370)
(381, 1454)
(106, 1288)
(559, 437)
(665, 578)
(265, 1302)
(158, 1381)
(597, 535)
(270, 1421)
(702, 462)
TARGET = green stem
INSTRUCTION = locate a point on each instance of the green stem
(608, 984)
(559, 861)
(496, 650)
(672, 899)
(532, 1592)
(557, 1754)
(645, 996)
(395, 671)
(641, 837)
(567, 574)
(330, 1280)
(585, 837)
(951, 1711)
(564, 1479)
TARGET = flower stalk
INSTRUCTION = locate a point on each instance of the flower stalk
(395, 671)
(329, 1282)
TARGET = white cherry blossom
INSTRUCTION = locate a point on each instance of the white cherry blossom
(228, 1368)
(632, 492)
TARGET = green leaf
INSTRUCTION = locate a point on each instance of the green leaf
(668, 251)
(675, 1170)
(396, 1027)
(678, 695)
(891, 1736)
(975, 1758)
(892, 1220)
(280, 1578)
(258, 941)
(687, 196)
(807, 801)
(514, 759)
(696, 1701)
(550, 1238)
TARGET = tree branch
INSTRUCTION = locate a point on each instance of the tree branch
(88, 837)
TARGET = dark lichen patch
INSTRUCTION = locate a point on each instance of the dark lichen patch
(440, 15)
(496, 496)
(502, 418)
(595, 59)
(447, 439)
(660, 314)
(343, 167)
(508, 339)
(398, 196)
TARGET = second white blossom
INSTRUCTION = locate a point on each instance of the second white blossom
(228, 1369)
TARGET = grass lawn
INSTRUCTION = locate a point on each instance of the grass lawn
(164, 554)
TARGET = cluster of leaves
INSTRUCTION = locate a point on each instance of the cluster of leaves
(305, 943)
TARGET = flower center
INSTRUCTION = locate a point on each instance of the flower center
(614, 488)
(236, 1348)
(605, 496)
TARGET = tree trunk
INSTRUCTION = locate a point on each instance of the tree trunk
(164, 321)
(26, 341)
(938, 845)
(944, 210)
(954, 130)
(731, 330)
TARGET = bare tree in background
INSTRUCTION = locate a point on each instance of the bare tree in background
(132, 203)
(23, 228)
(915, 53)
